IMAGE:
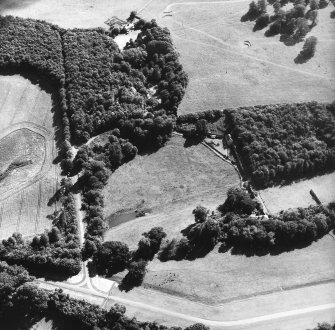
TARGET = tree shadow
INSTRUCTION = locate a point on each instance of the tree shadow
(302, 58)
(260, 251)
(187, 230)
(289, 40)
(192, 141)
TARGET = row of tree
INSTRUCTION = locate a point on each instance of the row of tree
(284, 142)
(21, 302)
(56, 250)
(240, 226)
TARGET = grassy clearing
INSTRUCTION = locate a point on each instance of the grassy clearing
(297, 194)
(225, 73)
(171, 180)
(220, 277)
(27, 133)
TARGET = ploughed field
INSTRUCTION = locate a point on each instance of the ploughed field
(28, 177)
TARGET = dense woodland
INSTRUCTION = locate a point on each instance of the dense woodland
(109, 89)
(33, 46)
(284, 142)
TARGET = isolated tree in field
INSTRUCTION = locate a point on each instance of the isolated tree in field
(310, 46)
(132, 16)
(308, 50)
(200, 214)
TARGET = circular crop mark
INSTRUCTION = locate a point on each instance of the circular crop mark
(22, 155)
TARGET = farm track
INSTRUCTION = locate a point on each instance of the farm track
(47, 161)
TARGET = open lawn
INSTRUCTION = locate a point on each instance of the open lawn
(169, 181)
(26, 138)
(225, 73)
(297, 194)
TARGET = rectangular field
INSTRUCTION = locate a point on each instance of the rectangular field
(298, 194)
(171, 180)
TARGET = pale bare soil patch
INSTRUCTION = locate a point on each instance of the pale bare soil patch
(27, 133)
(297, 194)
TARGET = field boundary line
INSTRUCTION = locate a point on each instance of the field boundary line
(38, 206)
(19, 103)
(20, 213)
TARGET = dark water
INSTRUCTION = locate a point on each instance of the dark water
(118, 219)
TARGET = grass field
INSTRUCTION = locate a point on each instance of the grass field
(171, 182)
(218, 277)
(26, 132)
(297, 194)
(225, 73)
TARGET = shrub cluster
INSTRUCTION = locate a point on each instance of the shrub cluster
(284, 142)
(56, 250)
